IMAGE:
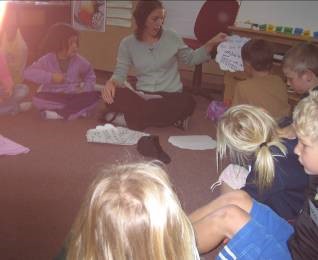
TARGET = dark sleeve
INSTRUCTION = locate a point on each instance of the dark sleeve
(285, 121)
(268, 196)
(250, 186)
(313, 184)
(303, 243)
(286, 195)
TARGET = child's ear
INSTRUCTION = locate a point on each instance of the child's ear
(308, 76)
(247, 67)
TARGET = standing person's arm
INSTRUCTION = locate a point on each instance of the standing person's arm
(5, 79)
(20, 55)
(124, 62)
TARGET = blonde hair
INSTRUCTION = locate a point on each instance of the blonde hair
(305, 117)
(302, 57)
(247, 132)
(131, 212)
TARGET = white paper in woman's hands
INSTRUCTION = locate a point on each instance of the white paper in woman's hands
(229, 53)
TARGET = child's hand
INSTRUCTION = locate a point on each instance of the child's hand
(57, 78)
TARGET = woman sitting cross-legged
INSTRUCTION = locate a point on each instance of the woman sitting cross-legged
(154, 53)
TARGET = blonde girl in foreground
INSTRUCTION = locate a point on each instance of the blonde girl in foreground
(131, 212)
(250, 137)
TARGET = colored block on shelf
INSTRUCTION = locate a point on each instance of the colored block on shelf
(288, 30)
(279, 29)
(298, 31)
(307, 33)
(270, 28)
(262, 27)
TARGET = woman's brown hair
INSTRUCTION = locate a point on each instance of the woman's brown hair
(142, 11)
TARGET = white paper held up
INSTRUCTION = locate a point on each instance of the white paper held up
(229, 53)
(193, 142)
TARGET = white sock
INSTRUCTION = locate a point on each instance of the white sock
(52, 115)
(119, 119)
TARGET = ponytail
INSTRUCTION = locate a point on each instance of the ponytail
(264, 163)
(246, 133)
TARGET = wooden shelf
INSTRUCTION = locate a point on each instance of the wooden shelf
(279, 38)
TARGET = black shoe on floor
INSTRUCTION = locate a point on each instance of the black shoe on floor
(149, 146)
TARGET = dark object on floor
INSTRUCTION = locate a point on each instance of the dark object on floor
(149, 146)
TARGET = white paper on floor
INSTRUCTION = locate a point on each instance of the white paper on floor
(113, 135)
(193, 142)
(8, 147)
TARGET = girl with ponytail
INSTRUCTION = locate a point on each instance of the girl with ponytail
(251, 139)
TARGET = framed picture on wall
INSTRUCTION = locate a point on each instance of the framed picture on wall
(89, 15)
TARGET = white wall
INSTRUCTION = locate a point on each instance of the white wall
(302, 14)
(181, 16)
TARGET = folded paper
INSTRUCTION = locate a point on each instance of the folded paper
(8, 147)
(193, 142)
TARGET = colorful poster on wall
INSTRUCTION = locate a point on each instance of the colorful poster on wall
(89, 15)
